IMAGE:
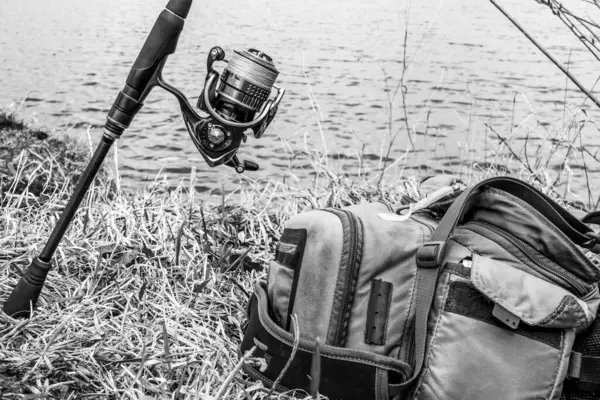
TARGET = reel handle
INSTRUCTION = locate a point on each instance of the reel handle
(241, 166)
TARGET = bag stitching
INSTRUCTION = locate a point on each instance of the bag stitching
(377, 384)
(581, 315)
(412, 294)
(581, 318)
(257, 375)
(556, 383)
(333, 356)
(433, 337)
(387, 312)
(497, 299)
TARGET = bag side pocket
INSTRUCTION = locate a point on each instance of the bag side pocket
(497, 332)
(284, 273)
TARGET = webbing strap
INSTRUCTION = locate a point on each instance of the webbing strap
(592, 218)
(425, 289)
(584, 370)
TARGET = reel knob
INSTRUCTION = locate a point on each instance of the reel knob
(241, 166)
(216, 135)
(250, 165)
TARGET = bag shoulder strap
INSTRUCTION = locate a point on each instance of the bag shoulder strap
(425, 288)
(592, 218)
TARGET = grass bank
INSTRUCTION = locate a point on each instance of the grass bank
(148, 290)
(146, 298)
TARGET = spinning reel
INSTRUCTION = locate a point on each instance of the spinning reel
(237, 101)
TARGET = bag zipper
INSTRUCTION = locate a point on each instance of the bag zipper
(354, 226)
(555, 269)
(349, 280)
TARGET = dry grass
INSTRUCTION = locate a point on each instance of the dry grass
(147, 294)
(35, 165)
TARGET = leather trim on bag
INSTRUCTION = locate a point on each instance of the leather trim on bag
(378, 312)
(370, 358)
(291, 248)
(346, 374)
(290, 251)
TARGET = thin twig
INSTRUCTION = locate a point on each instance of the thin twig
(296, 331)
(548, 55)
(233, 373)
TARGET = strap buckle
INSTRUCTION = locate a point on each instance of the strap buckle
(429, 255)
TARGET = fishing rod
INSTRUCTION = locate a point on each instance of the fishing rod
(547, 54)
(238, 101)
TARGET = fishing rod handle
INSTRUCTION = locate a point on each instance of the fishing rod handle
(25, 295)
(161, 42)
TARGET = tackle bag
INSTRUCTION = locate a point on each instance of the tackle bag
(471, 293)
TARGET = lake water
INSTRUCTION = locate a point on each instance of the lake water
(62, 63)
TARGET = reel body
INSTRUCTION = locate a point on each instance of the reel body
(237, 102)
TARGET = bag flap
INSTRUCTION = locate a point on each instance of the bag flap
(531, 299)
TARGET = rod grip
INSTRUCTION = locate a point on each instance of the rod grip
(25, 295)
(161, 42)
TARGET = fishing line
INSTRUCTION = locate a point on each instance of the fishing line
(547, 54)
(255, 71)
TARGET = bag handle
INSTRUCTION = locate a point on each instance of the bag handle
(429, 256)
(592, 218)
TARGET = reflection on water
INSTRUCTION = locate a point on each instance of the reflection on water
(470, 73)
